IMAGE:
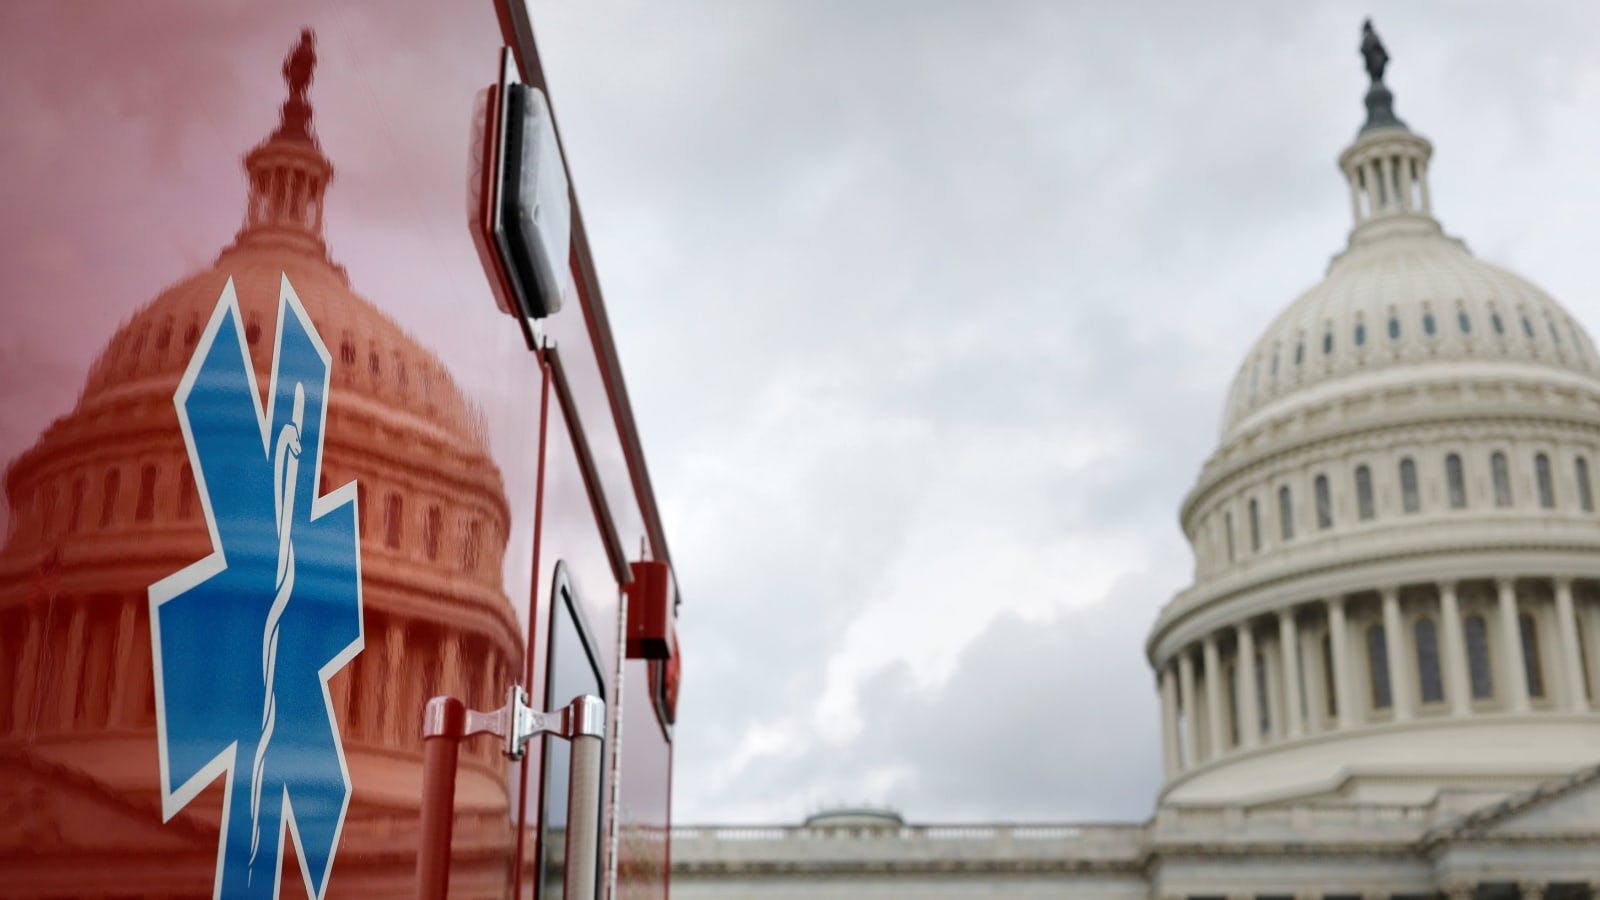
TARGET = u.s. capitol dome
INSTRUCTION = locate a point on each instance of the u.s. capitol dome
(1397, 550)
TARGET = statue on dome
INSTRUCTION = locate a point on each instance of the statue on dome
(1379, 100)
(298, 67)
(1372, 51)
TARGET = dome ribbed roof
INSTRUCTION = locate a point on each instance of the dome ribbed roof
(282, 237)
(1403, 300)
(1402, 295)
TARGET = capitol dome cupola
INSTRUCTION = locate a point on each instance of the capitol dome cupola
(1387, 166)
(288, 172)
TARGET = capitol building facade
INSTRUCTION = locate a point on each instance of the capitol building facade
(1384, 680)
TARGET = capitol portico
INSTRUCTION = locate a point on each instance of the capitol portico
(1384, 680)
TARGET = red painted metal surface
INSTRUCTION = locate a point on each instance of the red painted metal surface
(440, 748)
(138, 141)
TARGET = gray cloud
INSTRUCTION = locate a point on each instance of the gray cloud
(928, 310)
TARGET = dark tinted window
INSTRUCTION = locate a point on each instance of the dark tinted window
(1410, 499)
(1502, 479)
(1364, 492)
(1378, 665)
(1428, 661)
(1478, 658)
(1456, 481)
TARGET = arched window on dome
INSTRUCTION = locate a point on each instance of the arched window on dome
(164, 336)
(192, 333)
(1394, 328)
(1428, 326)
(347, 349)
(1324, 502)
(1455, 480)
(145, 509)
(1580, 469)
(1501, 475)
(1530, 655)
(1478, 670)
(252, 329)
(1361, 334)
(1255, 526)
(1527, 327)
(1410, 497)
(1378, 666)
(1299, 353)
(1428, 680)
(1285, 513)
(1555, 336)
(1364, 505)
(1464, 322)
(1498, 325)
(1327, 342)
(432, 523)
(1547, 488)
(1227, 529)
(108, 496)
(393, 515)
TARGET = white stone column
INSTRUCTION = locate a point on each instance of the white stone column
(1591, 622)
(1244, 684)
(1577, 699)
(1213, 664)
(1339, 642)
(1289, 649)
(1355, 196)
(1456, 686)
(1516, 674)
(1374, 191)
(1386, 168)
(1394, 642)
(1189, 738)
(1422, 185)
(1169, 722)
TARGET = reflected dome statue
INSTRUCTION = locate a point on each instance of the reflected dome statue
(90, 524)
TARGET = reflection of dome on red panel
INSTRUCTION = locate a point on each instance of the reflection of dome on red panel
(105, 504)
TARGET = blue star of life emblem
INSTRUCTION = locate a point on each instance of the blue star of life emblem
(244, 640)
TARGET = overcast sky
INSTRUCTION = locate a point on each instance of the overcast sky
(928, 311)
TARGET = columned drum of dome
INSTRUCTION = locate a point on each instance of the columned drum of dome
(1396, 549)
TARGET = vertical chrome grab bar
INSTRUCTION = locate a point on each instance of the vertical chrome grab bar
(446, 721)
